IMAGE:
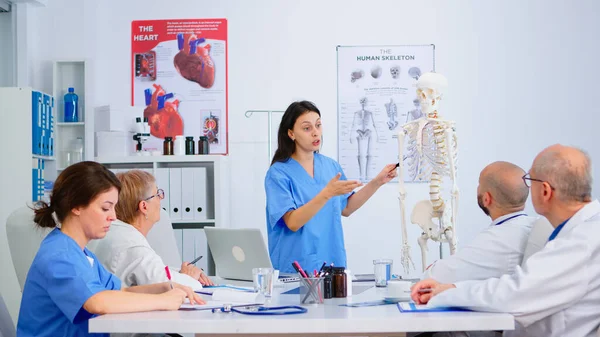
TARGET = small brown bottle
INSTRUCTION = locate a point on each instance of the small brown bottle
(339, 282)
(168, 146)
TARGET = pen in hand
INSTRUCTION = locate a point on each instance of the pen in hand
(169, 276)
(424, 290)
(196, 259)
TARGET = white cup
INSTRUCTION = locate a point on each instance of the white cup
(398, 288)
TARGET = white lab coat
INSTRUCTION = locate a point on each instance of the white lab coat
(556, 293)
(125, 252)
(540, 232)
(494, 252)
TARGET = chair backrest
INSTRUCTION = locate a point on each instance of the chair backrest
(162, 239)
(540, 232)
(7, 328)
(24, 239)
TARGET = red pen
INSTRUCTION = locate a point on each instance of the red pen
(300, 269)
(169, 276)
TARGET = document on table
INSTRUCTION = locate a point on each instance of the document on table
(412, 307)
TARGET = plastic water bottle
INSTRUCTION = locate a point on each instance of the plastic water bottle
(77, 154)
(71, 106)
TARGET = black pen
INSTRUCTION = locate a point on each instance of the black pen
(196, 259)
(397, 165)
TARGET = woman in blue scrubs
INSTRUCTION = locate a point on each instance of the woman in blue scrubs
(66, 285)
(307, 193)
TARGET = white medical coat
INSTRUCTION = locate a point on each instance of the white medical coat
(492, 253)
(556, 293)
(125, 252)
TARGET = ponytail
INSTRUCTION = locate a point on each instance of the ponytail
(43, 215)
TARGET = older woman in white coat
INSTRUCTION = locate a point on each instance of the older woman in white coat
(125, 251)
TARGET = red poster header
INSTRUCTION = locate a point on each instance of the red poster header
(147, 34)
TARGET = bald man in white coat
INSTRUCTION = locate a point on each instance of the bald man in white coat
(498, 249)
(557, 291)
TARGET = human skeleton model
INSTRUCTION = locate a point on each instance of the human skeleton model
(363, 127)
(415, 113)
(392, 112)
(429, 140)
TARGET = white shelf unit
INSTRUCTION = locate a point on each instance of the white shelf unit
(189, 232)
(75, 74)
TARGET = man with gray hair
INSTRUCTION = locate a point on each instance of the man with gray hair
(557, 291)
(498, 249)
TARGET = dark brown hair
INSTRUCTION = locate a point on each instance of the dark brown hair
(76, 186)
(286, 146)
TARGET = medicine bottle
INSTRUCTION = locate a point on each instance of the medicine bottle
(328, 286)
(203, 147)
(168, 146)
(190, 145)
(179, 146)
(339, 282)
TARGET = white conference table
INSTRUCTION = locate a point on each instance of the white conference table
(324, 319)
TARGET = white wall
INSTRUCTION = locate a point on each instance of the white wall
(7, 50)
(521, 77)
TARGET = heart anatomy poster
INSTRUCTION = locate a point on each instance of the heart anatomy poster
(376, 96)
(179, 76)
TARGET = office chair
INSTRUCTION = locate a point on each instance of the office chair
(540, 232)
(24, 239)
(162, 239)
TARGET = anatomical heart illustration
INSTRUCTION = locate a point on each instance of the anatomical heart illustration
(163, 114)
(193, 62)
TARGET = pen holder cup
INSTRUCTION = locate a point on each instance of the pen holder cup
(311, 290)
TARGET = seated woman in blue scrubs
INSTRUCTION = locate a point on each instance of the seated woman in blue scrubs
(307, 194)
(66, 285)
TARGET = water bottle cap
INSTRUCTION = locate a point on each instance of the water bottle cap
(71, 89)
(138, 119)
(145, 119)
(203, 138)
(189, 138)
(168, 139)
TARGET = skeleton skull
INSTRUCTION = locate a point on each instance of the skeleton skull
(414, 72)
(395, 72)
(430, 88)
(356, 75)
(376, 71)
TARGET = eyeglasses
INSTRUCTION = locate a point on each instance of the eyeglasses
(527, 177)
(160, 193)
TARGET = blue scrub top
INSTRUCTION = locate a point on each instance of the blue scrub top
(288, 187)
(60, 280)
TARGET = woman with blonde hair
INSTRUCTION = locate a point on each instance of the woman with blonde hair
(66, 284)
(125, 251)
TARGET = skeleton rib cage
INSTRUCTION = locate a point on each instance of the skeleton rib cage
(433, 150)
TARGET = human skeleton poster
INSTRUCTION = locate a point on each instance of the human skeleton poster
(376, 96)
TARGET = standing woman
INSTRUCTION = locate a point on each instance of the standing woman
(66, 285)
(307, 193)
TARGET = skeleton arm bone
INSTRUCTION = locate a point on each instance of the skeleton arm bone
(374, 127)
(352, 127)
(455, 193)
(406, 259)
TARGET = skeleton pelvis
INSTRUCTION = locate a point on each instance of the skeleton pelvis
(423, 214)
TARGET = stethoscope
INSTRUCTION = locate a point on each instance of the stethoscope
(512, 217)
(260, 310)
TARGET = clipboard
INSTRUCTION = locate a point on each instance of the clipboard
(412, 307)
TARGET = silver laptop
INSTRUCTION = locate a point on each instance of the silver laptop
(237, 251)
